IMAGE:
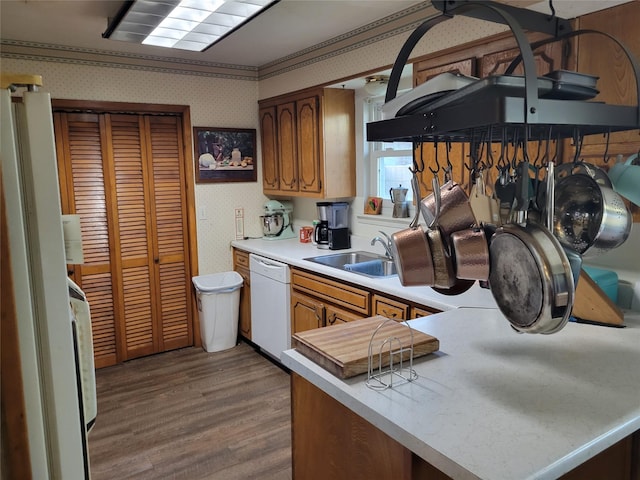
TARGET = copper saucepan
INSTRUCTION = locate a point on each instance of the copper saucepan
(455, 209)
(471, 252)
(411, 250)
(444, 273)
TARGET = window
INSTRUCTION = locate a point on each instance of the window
(389, 161)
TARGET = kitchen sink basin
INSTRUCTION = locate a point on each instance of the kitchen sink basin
(363, 263)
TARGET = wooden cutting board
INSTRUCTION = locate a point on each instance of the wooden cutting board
(343, 349)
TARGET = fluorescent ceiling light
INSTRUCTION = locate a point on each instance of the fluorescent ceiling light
(187, 24)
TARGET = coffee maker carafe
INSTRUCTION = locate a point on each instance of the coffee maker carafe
(321, 230)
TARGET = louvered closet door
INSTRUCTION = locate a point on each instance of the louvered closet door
(125, 175)
(133, 242)
(79, 141)
(169, 219)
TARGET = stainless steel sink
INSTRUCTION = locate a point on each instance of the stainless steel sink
(363, 263)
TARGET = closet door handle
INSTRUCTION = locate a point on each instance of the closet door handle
(156, 260)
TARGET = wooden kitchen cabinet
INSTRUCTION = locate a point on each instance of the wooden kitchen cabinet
(335, 315)
(319, 302)
(241, 265)
(308, 143)
(307, 313)
(389, 308)
(270, 169)
(417, 312)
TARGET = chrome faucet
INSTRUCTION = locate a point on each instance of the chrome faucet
(386, 243)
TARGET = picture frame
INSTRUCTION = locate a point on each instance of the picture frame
(225, 154)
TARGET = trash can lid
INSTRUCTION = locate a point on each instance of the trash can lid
(216, 282)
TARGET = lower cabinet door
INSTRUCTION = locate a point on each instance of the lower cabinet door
(335, 315)
(306, 313)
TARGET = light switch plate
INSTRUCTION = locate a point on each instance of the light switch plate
(239, 219)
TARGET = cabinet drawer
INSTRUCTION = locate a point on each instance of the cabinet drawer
(240, 258)
(417, 312)
(335, 316)
(337, 293)
(389, 308)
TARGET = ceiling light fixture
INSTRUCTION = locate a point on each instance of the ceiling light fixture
(183, 24)
(376, 85)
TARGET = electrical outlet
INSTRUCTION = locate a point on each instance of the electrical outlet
(239, 218)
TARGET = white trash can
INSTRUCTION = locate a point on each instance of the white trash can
(218, 308)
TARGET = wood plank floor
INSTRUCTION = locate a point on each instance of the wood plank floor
(189, 414)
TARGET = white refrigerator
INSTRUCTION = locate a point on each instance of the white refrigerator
(57, 436)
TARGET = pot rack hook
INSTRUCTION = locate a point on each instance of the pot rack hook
(435, 172)
(490, 162)
(577, 141)
(417, 168)
(605, 157)
(473, 148)
(448, 150)
(516, 143)
(535, 160)
(503, 141)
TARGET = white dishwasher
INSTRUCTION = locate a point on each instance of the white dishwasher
(270, 305)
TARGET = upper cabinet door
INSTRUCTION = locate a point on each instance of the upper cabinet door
(269, 139)
(287, 147)
(548, 58)
(308, 126)
(309, 151)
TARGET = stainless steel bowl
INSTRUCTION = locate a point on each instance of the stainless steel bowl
(272, 224)
(589, 218)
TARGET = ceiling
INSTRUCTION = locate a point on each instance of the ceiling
(288, 27)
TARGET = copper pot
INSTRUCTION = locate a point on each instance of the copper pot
(471, 254)
(455, 210)
(444, 273)
(412, 256)
(411, 251)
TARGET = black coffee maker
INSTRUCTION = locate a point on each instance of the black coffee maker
(321, 230)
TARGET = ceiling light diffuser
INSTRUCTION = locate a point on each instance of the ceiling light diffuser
(183, 24)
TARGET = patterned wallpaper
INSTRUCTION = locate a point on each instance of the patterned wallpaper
(220, 102)
(214, 102)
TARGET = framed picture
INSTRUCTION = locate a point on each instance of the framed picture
(225, 154)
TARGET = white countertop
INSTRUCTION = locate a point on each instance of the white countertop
(293, 252)
(494, 404)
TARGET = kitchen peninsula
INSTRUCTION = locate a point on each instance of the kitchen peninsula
(490, 404)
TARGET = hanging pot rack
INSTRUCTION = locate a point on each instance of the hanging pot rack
(457, 118)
